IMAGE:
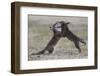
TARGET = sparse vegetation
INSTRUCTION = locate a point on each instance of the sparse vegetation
(40, 34)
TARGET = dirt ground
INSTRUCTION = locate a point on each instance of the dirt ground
(39, 35)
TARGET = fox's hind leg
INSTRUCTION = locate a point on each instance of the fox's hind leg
(50, 46)
(77, 46)
(50, 50)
